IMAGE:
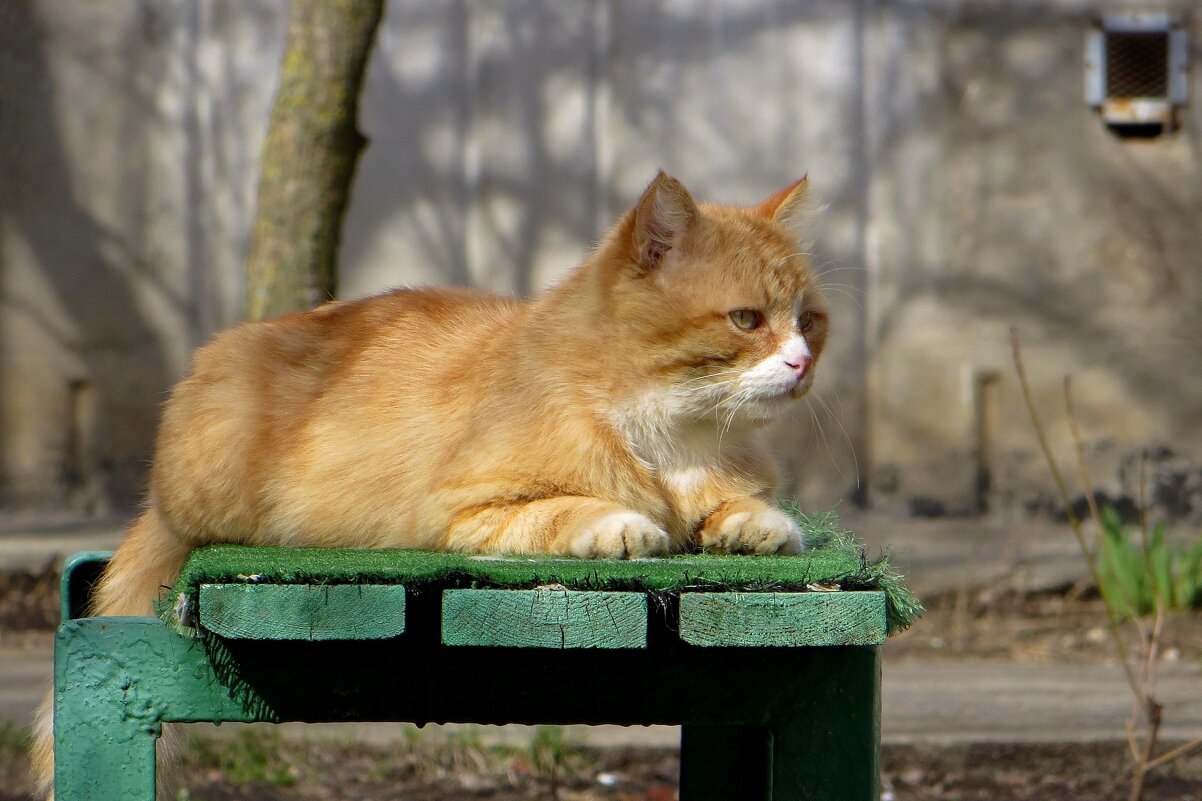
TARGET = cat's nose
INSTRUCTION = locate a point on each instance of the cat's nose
(800, 365)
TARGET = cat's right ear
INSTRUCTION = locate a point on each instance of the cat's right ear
(662, 220)
(789, 207)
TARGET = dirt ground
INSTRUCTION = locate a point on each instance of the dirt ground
(1067, 625)
(266, 768)
(29, 600)
(1062, 626)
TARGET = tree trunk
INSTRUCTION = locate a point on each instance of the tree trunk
(309, 156)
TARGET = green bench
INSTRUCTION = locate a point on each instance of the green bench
(769, 665)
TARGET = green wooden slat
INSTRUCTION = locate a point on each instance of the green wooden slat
(834, 558)
(303, 612)
(544, 618)
(782, 619)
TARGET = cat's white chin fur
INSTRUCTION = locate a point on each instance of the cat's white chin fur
(620, 535)
(766, 532)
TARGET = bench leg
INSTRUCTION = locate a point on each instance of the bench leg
(116, 680)
(101, 750)
(718, 763)
(106, 763)
(815, 734)
(828, 746)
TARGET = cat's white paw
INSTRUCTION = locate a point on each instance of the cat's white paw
(620, 535)
(765, 532)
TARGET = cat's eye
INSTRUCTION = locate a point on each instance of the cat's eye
(805, 322)
(746, 319)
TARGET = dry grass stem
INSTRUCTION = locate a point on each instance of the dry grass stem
(1145, 705)
(1043, 440)
(1144, 530)
(1179, 751)
(1082, 466)
(1116, 635)
(1141, 677)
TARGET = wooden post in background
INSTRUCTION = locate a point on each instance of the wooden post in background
(309, 156)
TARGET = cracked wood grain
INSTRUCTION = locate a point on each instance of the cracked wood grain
(544, 618)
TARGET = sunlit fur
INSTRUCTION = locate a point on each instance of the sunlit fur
(619, 414)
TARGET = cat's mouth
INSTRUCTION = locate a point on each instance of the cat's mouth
(787, 394)
(801, 388)
(765, 408)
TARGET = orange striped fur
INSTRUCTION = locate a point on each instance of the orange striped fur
(619, 414)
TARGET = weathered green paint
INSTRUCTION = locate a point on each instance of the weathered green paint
(544, 618)
(743, 619)
(115, 681)
(834, 562)
(80, 572)
(303, 611)
(801, 722)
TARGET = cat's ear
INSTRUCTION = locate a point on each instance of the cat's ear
(789, 206)
(662, 219)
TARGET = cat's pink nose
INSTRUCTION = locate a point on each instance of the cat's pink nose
(800, 365)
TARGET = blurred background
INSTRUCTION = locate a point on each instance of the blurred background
(970, 187)
(984, 165)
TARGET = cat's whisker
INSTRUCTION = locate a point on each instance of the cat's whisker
(833, 265)
(724, 399)
(821, 278)
(848, 287)
(748, 395)
(850, 296)
(826, 445)
(730, 417)
(829, 268)
(715, 409)
(734, 371)
(732, 402)
(714, 404)
(847, 438)
(819, 269)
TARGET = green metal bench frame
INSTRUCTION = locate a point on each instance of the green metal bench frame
(778, 695)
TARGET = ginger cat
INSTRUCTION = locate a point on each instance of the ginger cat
(619, 415)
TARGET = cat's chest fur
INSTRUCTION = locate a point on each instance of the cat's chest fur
(694, 467)
(694, 490)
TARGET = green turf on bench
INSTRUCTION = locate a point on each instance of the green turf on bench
(832, 559)
(732, 648)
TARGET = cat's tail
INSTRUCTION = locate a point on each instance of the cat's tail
(149, 558)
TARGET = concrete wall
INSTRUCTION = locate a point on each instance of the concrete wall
(998, 199)
(968, 188)
(128, 142)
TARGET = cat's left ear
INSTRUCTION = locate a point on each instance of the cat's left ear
(788, 207)
(662, 220)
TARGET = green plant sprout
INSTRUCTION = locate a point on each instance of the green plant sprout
(1139, 584)
(1135, 580)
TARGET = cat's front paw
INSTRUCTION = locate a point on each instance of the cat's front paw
(767, 531)
(619, 535)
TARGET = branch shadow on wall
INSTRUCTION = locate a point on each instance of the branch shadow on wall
(491, 144)
(493, 116)
(105, 355)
